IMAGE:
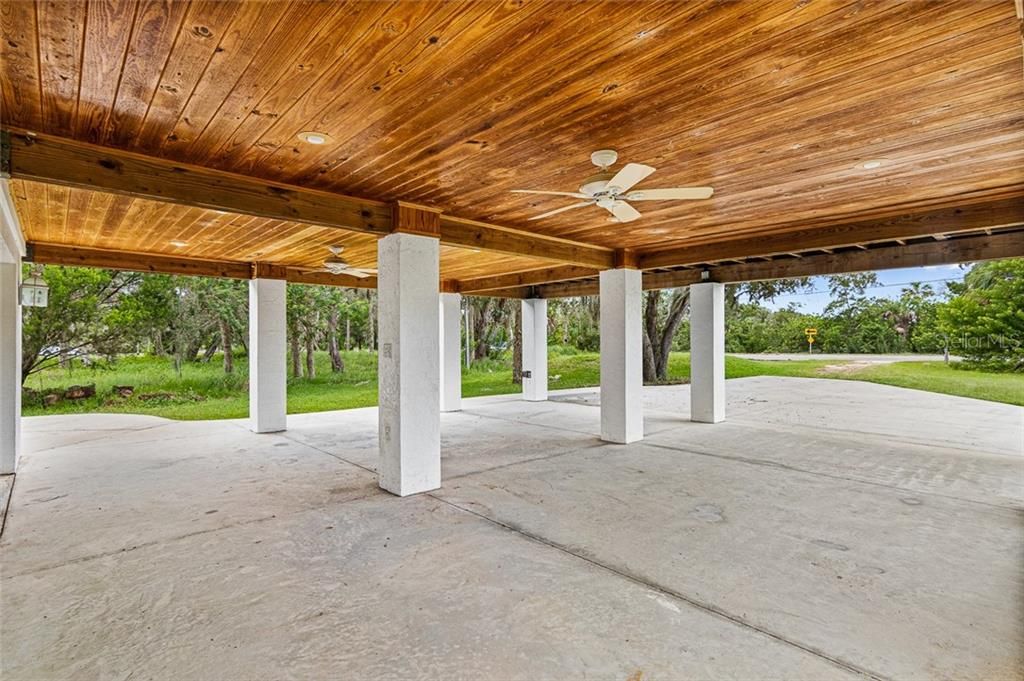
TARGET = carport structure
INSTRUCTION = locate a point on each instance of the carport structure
(175, 137)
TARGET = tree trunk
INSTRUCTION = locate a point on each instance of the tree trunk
(517, 345)
(192, 351)
(480, 335)
(657, 343)
(348, 333)
(469, 334)
(310, 357)
(680, 303)
(337, 364)
(225, 342)
(371, 327)
(653, 299)
(211, 350)
(293, 340)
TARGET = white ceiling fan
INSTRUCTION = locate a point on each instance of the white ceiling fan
(611, 190)
(335, 264)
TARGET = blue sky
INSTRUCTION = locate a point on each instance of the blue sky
(815, 302)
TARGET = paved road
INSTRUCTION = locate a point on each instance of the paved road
(873, 359)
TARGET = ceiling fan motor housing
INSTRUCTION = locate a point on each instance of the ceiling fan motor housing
(596, 184)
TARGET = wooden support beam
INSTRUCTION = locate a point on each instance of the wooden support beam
(529, 278)
(411, 218)
(44, 158)
(57, 160)
(266, 270)
(301, 276)
(482, 236)
(514, 293)
(976, 216)
(625, 258)
(951, 251)
(947, 252)
(568, 289)
(58, 254)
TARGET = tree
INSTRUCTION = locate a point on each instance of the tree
(985, 318)
(517, 344)
(75, 322)
(661, 322)
(301, 314)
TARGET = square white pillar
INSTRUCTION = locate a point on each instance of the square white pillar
(268, 377)
(408, 360)
(451, 351)
(622, 381)
(535, 349)
(10, 359)
(707, 352)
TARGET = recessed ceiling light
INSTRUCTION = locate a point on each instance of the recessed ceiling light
(872, 164)
(179, 243)
(313, 137)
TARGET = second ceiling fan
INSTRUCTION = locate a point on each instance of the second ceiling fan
(611, 190)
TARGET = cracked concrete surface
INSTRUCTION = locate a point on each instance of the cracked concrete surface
(826, 530)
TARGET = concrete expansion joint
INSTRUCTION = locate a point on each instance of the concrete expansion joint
(575, 450)
(532, 425)
(324, 451)
(708, 608)
(375, 492)
(859, 481)
(861, 436)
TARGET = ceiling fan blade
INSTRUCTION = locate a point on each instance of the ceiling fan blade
(623, 212)
(575, 195)
(358, 273)
(630, 174)
(670, 194)
(562, 210)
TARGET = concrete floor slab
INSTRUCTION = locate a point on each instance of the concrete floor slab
(377, 588)
(806, 557)
(800, 539)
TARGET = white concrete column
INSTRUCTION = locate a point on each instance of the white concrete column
(12, 249)
(535, 349)
(622, 381)
(409, 374)
(268, 377)
(10, 359)
(451, 351)
(707, 352)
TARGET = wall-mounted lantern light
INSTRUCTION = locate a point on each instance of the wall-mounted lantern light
(34, 291)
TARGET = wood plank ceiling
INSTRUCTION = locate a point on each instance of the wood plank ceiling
(452, 104)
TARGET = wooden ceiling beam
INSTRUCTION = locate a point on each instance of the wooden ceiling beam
(298, 276)
(948, 252)
(56, 160)
(482, 236)
(528, 278)
(61, 161)
(946, 220)
(59, 254)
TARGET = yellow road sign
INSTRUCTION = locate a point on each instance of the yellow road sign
(810, 331)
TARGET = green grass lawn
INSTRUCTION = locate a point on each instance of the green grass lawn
(204, 391)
